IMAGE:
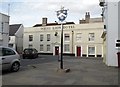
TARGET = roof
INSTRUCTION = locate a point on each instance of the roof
(13, 29)
(52, 24)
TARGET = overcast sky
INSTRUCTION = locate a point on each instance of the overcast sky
(31, 12)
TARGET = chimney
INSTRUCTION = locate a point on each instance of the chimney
(44, 21)
(87, 17)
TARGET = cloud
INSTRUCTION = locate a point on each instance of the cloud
(30, 12)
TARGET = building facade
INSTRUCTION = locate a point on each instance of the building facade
(4, 29)
(16, 37)
(111, 34)
(80, 40)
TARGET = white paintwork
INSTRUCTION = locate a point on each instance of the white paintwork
(17, 39)
(85, 29)
(111, 22)
(4, 29)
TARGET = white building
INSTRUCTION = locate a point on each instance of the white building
(4, 29)
(16, 37)
(111, 15)
(78, 39)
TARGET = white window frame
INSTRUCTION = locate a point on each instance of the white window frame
(66, 37)
(41, 37)
(92, 53)
(48, 47)
(30, 38)
(65, 48)
(91, 37)
(48, 37)
(41, 45)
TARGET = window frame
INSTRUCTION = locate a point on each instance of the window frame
(65, 48)
(89, 51)
(91, 37)
(66, 37)
(48, 47)
(30, 38)
(41, 45)
(48, 37)
(41, 37)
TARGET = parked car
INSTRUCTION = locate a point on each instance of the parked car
(30, 53)
(9, 59)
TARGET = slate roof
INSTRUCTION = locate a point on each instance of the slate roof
(13, 29)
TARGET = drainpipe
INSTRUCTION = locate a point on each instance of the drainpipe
(72, 41)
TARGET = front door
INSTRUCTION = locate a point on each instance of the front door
(78, 51)
(57, 50)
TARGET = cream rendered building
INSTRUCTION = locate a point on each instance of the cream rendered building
(80, 40)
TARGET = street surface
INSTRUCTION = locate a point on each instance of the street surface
(45, 71)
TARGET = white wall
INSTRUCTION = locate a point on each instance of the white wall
(19, 38)
(85, 29)
(4, 30)
(111, 17)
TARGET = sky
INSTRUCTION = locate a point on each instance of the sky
(31, 12)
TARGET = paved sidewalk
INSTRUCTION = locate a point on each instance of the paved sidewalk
(83, 72)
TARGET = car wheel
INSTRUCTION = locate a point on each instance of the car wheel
(15, 67)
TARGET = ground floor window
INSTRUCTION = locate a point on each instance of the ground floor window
(30, 46)
(10, 45)
(48, 47)
(66, 47)
(41, 47)
(91, 50)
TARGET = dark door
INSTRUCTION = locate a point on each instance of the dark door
(78, 51)
(56, 50)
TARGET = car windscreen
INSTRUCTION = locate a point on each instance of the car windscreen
(28, 50)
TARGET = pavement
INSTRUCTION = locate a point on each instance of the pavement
(83, 71)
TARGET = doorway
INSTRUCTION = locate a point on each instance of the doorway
(78, 51)
(56, 50)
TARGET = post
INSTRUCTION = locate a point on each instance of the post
(61, 14)
(61, 61)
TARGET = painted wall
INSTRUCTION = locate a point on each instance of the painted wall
(111, 17)
(72, 30)
(4, 29)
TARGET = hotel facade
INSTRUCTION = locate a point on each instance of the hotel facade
(80, 40)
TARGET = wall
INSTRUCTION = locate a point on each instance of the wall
(4, 29)
(111, 17)
(85, 29)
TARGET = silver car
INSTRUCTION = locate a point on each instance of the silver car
(9, 59)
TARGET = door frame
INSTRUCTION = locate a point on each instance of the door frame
(76, 50)
(55, 49)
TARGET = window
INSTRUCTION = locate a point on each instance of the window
(67, 37)
(7, 52)
(30, 46)
(41, 37)
(66, 48)
(48, 37)
(48, 47)
(41, 47)
(91, 50)
(30, 37)
(78, 36)
(91, 37)
(10, 45)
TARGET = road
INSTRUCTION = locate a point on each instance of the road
(44, 71)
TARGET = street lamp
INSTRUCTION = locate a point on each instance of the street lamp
(61, 14)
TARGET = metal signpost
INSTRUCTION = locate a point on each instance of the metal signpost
(61, 14)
